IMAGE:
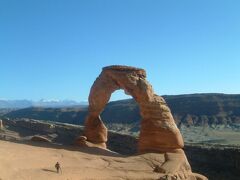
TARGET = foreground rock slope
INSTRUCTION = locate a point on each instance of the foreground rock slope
(24, 159)
(34, 161)
(216, 162)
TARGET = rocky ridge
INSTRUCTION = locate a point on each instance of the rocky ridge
(190, 110)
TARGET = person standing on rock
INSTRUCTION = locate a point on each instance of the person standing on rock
(1, 124)
(58, 167)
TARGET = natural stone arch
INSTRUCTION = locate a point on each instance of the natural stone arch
(158, 132)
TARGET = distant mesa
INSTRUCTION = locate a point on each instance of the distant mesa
(158, 132)
(4, 103)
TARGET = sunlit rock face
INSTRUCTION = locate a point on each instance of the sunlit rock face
(159, 132)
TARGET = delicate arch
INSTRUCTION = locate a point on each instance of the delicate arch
(158, 132)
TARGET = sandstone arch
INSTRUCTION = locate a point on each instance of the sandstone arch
(158, 132)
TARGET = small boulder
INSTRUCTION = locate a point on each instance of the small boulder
(83, 142)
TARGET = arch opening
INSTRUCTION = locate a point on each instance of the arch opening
(121, 114)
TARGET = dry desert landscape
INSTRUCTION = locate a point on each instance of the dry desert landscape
(36, 161)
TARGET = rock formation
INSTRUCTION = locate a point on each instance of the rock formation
(158, 132)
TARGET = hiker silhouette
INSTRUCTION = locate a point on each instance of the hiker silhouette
(58, 167)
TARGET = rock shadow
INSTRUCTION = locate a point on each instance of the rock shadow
(49, 170)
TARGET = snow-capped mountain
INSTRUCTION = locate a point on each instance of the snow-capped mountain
(41, 103)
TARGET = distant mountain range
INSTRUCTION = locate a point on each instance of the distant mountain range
(191, 109)
(18, 104)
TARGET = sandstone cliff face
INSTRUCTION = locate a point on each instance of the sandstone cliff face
(217, 162)
(34, 125)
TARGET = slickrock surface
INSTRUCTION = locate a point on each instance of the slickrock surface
(171, 164)
(31, 161)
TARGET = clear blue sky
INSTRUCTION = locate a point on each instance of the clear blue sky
(56, 48)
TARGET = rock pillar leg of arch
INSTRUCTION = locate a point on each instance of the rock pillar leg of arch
(158, 132)
(95, 130)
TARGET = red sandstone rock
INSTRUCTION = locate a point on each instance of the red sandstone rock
(158, 132)
(82, 141)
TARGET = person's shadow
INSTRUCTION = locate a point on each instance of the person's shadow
(49, 170)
